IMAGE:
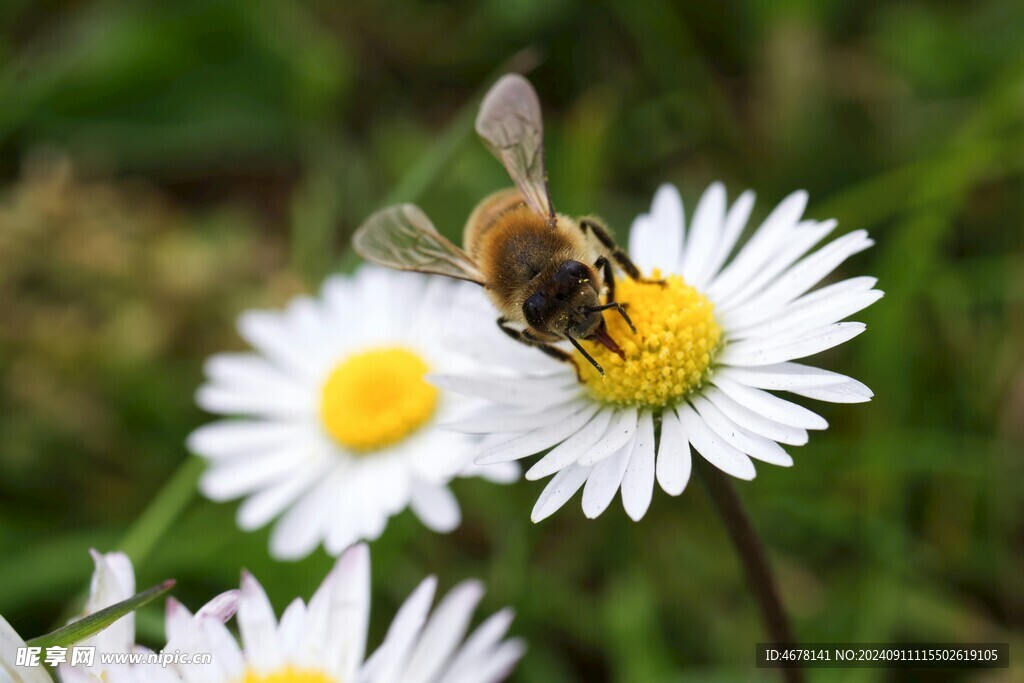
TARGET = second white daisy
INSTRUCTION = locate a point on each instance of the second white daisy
(339, 433)
(710, 346)
(325, 640)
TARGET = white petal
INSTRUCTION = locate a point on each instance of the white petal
(755, 422)
(714, 449)
(735, 221)
(479, 645)
(302, 528)
(271, 334)
(850, 391)
(500, 418)
(344, 637)
(239, 476)
(819, 308)
(559, 490)
(803, 276)
(783, 376)
(250, 372)
(113, 581)
(674, 462)
(10, 641)
(492, 666)
(262, 507)
(621, 429)
(766, 242)
(228, 661)
(772, 407)
(176, 619)
(258, 626)
(291, 630)
(538, 440)
(638, 482)
(752, 352)
(229, 438)
(187, 636)
(800, 241)
(747, 442)
(443, 632)
(656, 240)
(215, 399)
(570, 450)
(533, 391)
(499, 473)
(436, 507)
(403, 632)
(605, 479)
(705, 231)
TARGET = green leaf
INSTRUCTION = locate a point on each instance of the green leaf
(94, 623)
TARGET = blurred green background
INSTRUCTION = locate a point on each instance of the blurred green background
(164, 166)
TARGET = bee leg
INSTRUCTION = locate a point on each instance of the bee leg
(524, 337)
(619, 308)
(597, 366)
(605, 238)
(605, 266)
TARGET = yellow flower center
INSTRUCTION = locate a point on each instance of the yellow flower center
(669, 356)
(377, 398)
(288, 675)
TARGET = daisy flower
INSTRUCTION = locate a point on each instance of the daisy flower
(113, 581)
(710, 347)
(325, 641)
(338, 432)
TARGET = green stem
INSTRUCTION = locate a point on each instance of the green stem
(755, 561)
(166, 507)
(154, 521)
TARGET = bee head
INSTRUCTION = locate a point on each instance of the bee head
(562, 306)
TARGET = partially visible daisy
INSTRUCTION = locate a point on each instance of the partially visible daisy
(338, 432)
(325, 641)
(10, 670)
(113, 581)
(711, 344)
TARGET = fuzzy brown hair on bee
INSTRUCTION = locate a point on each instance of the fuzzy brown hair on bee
(535, 273)
(550, 276)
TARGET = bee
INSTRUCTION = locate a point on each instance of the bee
(545, 272)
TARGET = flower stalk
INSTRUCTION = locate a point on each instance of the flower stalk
(755, 561)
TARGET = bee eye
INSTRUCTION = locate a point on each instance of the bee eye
(533, 310)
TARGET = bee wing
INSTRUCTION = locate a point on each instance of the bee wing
(402, 237)
(511, 126)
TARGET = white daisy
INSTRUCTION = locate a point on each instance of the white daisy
(710, 346)
(113, 581)
(339, 433)
(325, 641)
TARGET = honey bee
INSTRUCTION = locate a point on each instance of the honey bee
(545, 272)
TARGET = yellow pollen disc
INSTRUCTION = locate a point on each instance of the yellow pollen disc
(288, 675)
(669, 356)
(377, 398)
